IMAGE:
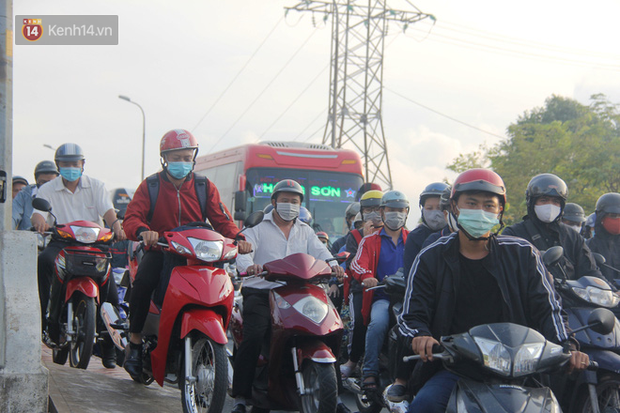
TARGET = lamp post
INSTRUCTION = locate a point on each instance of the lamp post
(143, 131)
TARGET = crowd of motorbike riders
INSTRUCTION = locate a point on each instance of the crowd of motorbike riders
(460, 269)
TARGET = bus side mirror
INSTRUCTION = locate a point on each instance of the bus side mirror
(241, 200)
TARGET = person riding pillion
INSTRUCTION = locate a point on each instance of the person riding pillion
(606, 239)
(164, 201)
(473, 277)
(280, 234)
(546, 196)
(44, 172)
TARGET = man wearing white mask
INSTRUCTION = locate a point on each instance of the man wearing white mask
(279, 234)
(546, 196)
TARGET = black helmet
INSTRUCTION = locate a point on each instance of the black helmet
(45, 167)
(367, 186)
(608, 204)
(394, 199)
(68, 152)
(19, 180)
(434, 189)
(545, 185)
(444, 199)
(288, 185)
(574, 213)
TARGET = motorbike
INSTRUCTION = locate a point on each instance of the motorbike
(500, 364)
(83, 267)
(297, 369)
(184, 337)
(592, 391)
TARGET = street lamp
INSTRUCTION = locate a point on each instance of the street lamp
(143, 130)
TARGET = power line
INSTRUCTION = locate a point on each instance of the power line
(444, 115)
(238, 73)
(310, 124)
(264, 90)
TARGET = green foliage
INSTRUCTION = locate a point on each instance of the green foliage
(579, 143)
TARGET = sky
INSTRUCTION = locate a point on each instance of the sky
(240, 72)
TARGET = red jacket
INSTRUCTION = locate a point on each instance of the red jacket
(365, 263)
(175, 208)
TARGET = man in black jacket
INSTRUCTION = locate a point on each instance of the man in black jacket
(606, 240)
(546, 196)
(474, 277)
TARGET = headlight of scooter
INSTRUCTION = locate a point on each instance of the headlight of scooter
(86, 235)
(207, 250)
(598, 296)
(526, 359)
(313, 308)
(495, 355)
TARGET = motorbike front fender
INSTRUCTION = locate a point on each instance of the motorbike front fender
(206, 321)
(316, 351)
(84, 285)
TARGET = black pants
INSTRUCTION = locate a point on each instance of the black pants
(357, 345)
(147, 279)
(256, 326)
(45, 273)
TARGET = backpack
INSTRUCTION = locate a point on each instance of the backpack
(201, 185)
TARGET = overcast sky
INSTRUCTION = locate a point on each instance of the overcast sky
(482, 63)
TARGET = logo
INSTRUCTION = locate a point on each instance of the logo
(32, 29)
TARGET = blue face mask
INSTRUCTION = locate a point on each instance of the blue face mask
(180, 170)
(71, 174)
(477, 222)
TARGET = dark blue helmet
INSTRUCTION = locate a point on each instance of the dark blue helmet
(434, 189)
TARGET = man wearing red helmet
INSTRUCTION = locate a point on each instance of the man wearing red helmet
(162, 202)
(473, 277)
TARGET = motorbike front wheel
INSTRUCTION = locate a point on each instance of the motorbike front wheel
(84, 321)
(321, 388)
(608, 392)
(207, 392)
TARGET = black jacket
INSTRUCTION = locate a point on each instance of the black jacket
(577, 260)
(608, 246)
(414, 245)
(528, 295)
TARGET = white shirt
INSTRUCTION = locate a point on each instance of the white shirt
(269, 244)
(89, 202)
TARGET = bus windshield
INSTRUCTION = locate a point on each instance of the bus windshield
(326, 194)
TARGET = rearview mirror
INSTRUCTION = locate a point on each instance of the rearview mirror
(600, 260)
(254, 219)
(41, 204)
(552, 256)
(602, 321)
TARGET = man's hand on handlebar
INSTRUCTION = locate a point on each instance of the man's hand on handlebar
(578, 361)
(370, 282)
(254, 269)
(338, 272)
(423, 346)
(149, 237)
(244, 247)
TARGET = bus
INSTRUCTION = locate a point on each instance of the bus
(245, 177)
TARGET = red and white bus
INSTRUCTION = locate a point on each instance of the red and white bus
(245, 177)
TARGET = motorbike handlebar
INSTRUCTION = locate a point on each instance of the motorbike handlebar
(439, 352)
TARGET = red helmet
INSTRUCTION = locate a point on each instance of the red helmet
(322, 234)
(177, 139)
(479, 180)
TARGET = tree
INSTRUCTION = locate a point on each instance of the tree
(579, 143)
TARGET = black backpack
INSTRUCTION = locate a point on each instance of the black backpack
(201, 185)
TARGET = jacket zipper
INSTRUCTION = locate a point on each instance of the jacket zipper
(179, 201)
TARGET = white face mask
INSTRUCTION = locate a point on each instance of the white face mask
(577, 229)
(287, 212)
(547, 213)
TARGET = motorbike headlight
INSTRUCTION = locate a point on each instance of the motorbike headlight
(527, 358)
(85, 235)
(281, 302)
(494, 355)
(313, 308)
(180, 248)
(207, 250)
(598, 296)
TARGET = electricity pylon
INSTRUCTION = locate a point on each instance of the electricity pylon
(356, 76)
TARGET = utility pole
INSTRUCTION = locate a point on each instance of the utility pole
(356, 76)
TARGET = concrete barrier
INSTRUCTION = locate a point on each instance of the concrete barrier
(23, 379)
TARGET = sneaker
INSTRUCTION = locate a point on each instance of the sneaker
(396, 393)
(133, 361)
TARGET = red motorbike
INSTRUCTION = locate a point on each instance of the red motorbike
(184, 339)
(83, 267)
(297, 370)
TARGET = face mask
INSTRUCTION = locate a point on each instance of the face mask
(375, 217)
(611, 225)
(547, 213)
(71, 174)
(434, 219)
(574, 228)
(395, 220)
(477, 222)
(288, 212)
(179, 170)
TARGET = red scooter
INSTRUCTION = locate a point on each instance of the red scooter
(297, 370)
(83, 267)
(185, 337)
